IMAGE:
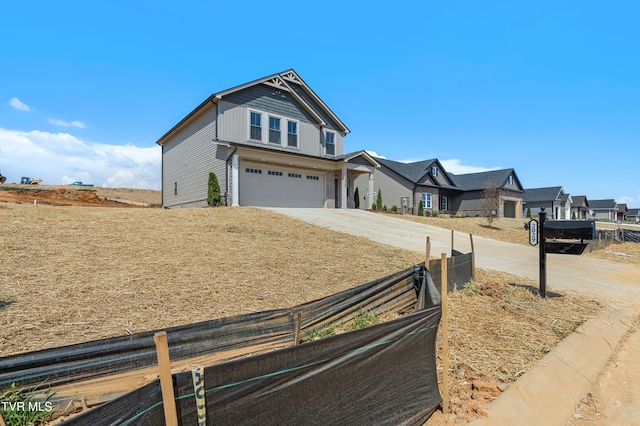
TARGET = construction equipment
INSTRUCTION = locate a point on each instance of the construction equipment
(3, 179)
(29, 181)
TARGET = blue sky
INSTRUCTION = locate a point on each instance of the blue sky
(551, 89)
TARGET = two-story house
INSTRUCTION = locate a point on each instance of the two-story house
(270, 142)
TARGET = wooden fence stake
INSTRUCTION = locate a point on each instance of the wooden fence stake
(445, 336)
(166, 382)
(2, 423)
(473, 259)
(428, 255)
(296, 336)
(452, 242)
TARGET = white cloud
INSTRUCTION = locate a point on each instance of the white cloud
(375, 154)
(75, 123)
(17, 104)
(455, 166)
(61, 158)
(629, 201)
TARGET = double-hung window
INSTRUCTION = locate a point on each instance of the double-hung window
(434, 171)
(256, 126)
(426, 200)
(274, 130)
(292, 134)
(330, 143)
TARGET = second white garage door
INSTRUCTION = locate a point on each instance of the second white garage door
(272, 186)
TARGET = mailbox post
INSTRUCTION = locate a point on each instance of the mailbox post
(558, 229)
(543, 256)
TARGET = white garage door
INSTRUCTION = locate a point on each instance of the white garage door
(272, 186)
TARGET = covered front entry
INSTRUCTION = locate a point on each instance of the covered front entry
(269, 185)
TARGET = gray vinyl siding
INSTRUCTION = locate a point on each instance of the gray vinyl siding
(270, 99)
(188, 157)
(309, 100)
(233, 126)
(393, 188)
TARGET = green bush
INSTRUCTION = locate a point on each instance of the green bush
(420, 209)
(356, 198)
(213, 195)
(394, 209)
(379, 200)
(529, 212)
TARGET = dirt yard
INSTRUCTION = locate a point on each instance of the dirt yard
(75, 274)
(87, 196)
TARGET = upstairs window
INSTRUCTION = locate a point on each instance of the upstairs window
(274, 130)
(292, 131)
(510, 179)
(434, 171)
(330, 143)
(256, 126)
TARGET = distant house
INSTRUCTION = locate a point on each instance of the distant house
(270, 142)
(556, 202)
(633, 215)
(471, 201)
(408, 184)
(622, 212)
(603, 209)
(579, 207)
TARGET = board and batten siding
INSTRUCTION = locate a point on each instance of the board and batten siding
(188, 157)
(392, 189)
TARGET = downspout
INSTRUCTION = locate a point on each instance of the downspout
(226, 175)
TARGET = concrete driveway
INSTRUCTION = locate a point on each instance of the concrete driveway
(550, 392)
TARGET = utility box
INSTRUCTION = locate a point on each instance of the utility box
(570, 229)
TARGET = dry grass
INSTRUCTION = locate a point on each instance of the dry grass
(73, 274)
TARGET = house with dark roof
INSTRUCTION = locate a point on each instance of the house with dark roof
(622, 212)
(408, 184)
(556, 202)
(579, 207)
(270, 142)
(606, 209)
(633, 215)
(472, 200)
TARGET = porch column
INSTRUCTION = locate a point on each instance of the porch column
(343, 193)
(370, 199)
(234, 182)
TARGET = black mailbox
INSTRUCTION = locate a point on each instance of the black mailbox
(570, 229)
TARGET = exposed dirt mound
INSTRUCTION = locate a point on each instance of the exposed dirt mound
(57, 196)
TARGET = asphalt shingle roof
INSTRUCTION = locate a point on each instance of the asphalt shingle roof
(542, 194)
(478, 181)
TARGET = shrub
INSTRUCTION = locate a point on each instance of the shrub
(420, 209)
(379, 200)
(529, 212)
(213, 195)
(356, 198)
(384, 208)
(394, 209)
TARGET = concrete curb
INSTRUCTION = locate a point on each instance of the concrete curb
(549, 393)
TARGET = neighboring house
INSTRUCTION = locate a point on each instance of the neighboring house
(622, 213)
(579, 207)
(270, 142)
(472, 199)
(410, 183)
(556, 202)
(406, 184)
(633, 215)
(603, 209)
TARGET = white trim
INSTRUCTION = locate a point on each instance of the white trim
(264, 133)
(234, 182)
(325, 131)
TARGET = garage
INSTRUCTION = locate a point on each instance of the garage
(510, 209)
(275, 186)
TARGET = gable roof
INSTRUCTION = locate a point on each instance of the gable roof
(418, 172)
(580, 200)
(543, 194)
(609, 203)
(288, 81)
(478, 181)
